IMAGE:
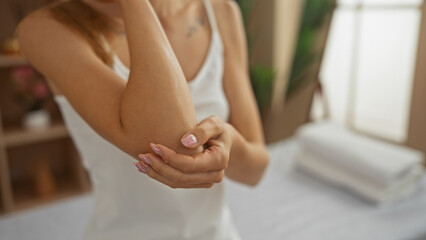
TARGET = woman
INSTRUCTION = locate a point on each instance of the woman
(185, 68)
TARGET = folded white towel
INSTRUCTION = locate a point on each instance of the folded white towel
(366, 188)
(380, 172)
(372, 158)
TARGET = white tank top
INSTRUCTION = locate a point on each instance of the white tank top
(130, 205)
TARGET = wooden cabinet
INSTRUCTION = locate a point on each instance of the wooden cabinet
(36, 166)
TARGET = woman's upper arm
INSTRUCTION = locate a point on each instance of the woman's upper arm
(244, 115)
(91, 87)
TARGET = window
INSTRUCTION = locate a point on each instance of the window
(369, 64)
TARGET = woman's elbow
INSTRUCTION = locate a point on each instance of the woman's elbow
(261, 171)
(135, 144)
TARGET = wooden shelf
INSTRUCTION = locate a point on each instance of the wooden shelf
(23, 151)
(25, 198)
(34, 202)
(11, 60)
(18, 136)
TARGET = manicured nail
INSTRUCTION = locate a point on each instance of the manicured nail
(156, 149)
(189, 140)
(141, 168)
(145, 158)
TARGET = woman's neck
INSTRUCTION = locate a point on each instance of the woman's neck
(110, 9)
(169, 8)
(166, 10)
(163, 8)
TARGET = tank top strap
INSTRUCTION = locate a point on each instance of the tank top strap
(106, 45)
(211, 16)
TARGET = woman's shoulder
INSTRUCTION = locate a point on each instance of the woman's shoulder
(35, 19)
(46, 42)
(42, 15)
(39, 24)
(226, 9)
(38, 33)
(41, 27)
(34, 30)
(229, 20)
(53, 19)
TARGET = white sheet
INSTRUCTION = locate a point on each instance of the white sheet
(287, 205)
(369, 189)
(383, 162)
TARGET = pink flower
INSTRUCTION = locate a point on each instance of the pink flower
(41, 90)
(23, 76)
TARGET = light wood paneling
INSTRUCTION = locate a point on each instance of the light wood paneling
(286, 28)
(290, 112)
(417, 127)
(261, 29)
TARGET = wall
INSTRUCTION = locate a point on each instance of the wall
(12, 11)
(369, 68)
(417, 128)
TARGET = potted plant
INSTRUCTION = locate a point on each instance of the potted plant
(282, 118)
(261, 76)
(32, 92)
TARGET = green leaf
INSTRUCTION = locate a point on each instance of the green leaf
(314, 16)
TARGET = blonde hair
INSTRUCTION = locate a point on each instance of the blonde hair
(86, 22)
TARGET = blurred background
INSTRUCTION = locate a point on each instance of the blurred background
(359, 65)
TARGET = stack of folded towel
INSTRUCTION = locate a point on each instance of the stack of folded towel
(378, 171)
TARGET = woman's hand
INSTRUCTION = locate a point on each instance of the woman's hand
(201, 170)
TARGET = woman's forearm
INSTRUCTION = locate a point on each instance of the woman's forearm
(157, 93)
(247, 161)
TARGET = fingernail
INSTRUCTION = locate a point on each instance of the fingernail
(145, 158)
(156, 149)
(189, 140)
(141, 168)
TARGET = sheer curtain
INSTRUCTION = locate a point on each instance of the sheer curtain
(369, 64)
